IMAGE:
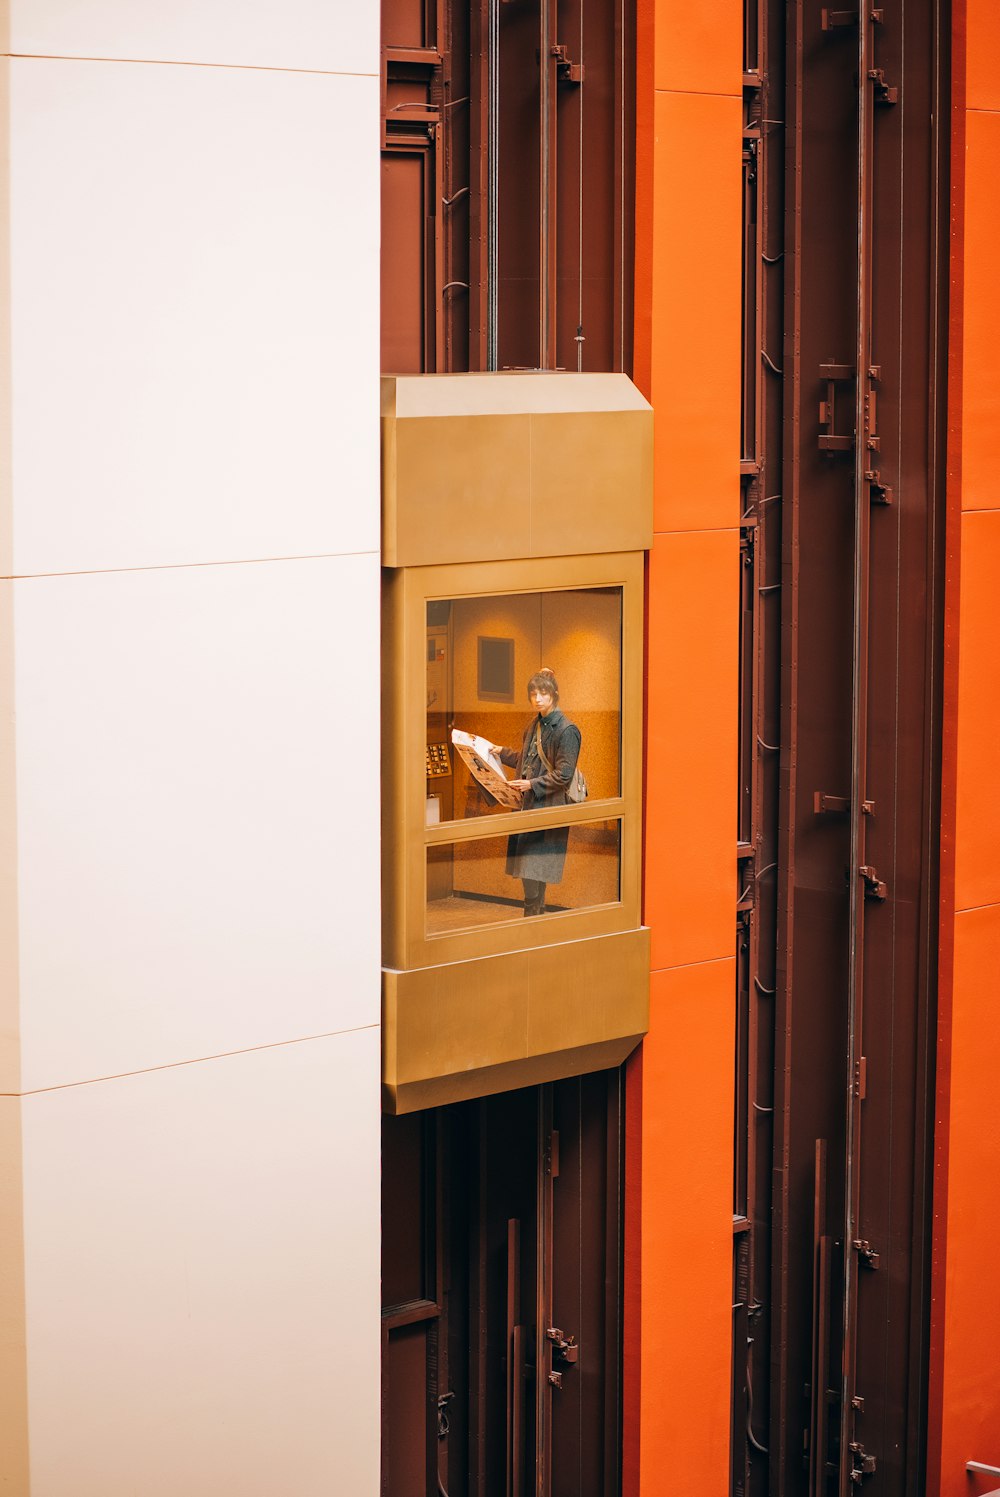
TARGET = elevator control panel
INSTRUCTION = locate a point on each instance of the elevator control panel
(438, 761)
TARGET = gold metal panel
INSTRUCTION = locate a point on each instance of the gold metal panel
(463, 486)
(590, 475)
(438, 1091)
(404, 834)
(609, 985)
(460, 1017)
(512, 465)
(397, 742)
(468, 1029)
(507, 392)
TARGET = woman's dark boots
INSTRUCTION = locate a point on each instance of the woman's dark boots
(534, 897)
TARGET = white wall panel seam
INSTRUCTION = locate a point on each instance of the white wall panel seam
(182, 566)
(195, 1060)
(184, 62)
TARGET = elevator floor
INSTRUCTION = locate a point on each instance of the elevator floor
(459, 913)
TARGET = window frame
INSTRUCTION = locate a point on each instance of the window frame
(406, 836)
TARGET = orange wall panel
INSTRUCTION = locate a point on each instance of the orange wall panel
(687, 360)
(699, 48)
(977, 832)
(691, 767)
(964, 1402)
(971, 1386)
(983, 61)
(981, 352)
(687, 1231)
(695, 355)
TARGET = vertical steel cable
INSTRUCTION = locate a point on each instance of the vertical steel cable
(492, 179)
(546, 164)
(622, 192)
(579, 315)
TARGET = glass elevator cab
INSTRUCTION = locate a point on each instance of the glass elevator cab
(517, 508)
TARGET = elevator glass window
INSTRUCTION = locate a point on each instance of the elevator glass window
(482, 653)
(480, 881)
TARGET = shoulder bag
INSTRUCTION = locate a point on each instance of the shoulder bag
(576, 790)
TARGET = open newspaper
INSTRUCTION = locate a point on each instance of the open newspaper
(481, 757)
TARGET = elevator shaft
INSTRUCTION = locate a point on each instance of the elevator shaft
(835, 1067)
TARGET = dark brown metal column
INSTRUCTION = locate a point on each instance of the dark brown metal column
(760, 729)
(862, 515)
(865, 442)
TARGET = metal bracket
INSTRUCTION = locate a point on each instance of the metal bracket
(411, 123)
(881, 493)
(831, 20)
(878, 492)
(861, 1077)
(444, 1427)
(831, 440)
(871, 407)
(875, 887)
(564, 1348)
(866, 1463)
(552, 1155)
(869, 1257)
(566, 71)
(835, 805)
(883, 93)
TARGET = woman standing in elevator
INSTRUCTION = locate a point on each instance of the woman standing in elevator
(546, 766)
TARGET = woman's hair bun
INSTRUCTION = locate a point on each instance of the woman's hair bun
(544, 680)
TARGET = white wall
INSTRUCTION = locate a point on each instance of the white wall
(190, 527)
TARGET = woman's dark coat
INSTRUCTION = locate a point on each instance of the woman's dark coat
(541, 855)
